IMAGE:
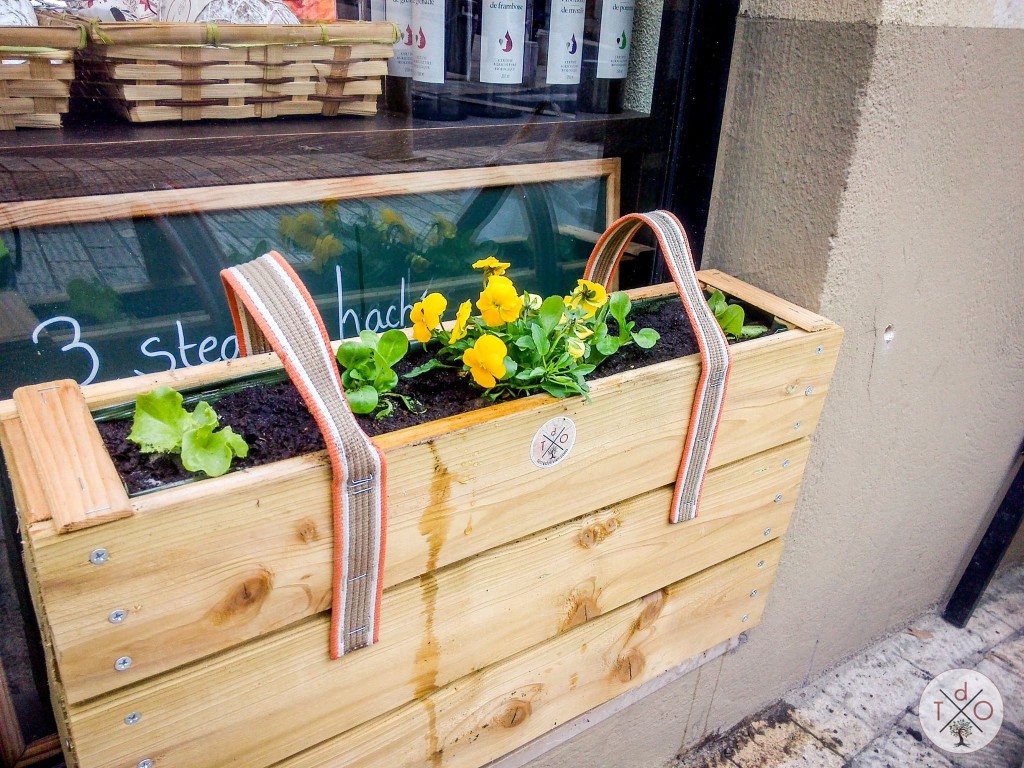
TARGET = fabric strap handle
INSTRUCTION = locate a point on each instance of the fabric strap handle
(714, 349)
(272, 310)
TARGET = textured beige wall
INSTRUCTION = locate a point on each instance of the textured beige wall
(874, 172)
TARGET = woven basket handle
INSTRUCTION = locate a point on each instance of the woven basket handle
(272, 310)
(714, 349)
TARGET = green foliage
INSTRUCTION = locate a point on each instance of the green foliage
(368, 372)
(732, 319)
(551, 345)
(91, 299)
(162, 425)
(380, 244)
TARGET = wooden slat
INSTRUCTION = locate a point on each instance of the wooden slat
(152, 203)
(12, 745)
(30, 500)
(17, 321)
(434, 630)
(784, 310)
(491, 712)
(79, 482)
(116, 34)
(183, 567)
(250, 90)
(39, 751)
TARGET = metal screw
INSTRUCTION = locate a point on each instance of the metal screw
(126, 661)
(760, 563)
(753, 593)
(785, 463)
(767, 532)
(99, 556)
(116, 617)
(132, 718)
(809, 391)
(819, 350)
(797, 425)
(746, 617)
(778, 498)
(147, 763)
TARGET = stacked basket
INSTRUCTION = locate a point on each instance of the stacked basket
(36, 69)
(169, 71)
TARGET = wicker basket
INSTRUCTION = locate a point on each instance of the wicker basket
(36, 69)
(163, 71)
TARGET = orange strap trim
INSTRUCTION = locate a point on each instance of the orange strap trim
(709, 399)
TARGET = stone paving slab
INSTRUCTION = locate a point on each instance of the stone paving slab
(864, 713)
(900, 747)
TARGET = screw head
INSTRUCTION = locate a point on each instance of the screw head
(132, 718)
(99, 556)
(117, 616)
(819, 350)
(797, 425)
(123, 663)
(746, 618)
(767, 532)
(147, 763)
(778, 498)
(753, 593)
(760, 563)
(809, 391)
(785, 463)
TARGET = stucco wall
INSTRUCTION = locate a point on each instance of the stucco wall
(872, 168)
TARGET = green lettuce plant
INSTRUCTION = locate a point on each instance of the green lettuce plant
(368, 374)
(162, 425)
(732, 319)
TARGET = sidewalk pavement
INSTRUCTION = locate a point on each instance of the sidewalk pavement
(864, 713)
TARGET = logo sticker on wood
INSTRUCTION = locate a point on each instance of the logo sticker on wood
(553, 441)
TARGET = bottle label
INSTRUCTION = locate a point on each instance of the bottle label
(565, 42)
(502, 40)
(400, 12)
(428, 41)
(616, 35)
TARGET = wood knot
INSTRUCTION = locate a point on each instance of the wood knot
(582, 605)
(654, 604)
(244, 601)
(629, 665)
(307, 531)
(514, 713)
(597, 529)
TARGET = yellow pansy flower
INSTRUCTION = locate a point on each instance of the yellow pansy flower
(461, 320)
(486, 360)
(391, 217)
(491, 266)
(445, 227)
(582, 332)
(532, 301)
(575, 347)
(587, 296)
(426, 316)
(499, 303)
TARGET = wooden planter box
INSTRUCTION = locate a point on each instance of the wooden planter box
(516, 598)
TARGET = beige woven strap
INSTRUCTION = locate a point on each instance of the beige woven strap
(714, 349)
(273, 311)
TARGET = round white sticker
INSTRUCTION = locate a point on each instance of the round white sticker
(553, 441)
(961, 710)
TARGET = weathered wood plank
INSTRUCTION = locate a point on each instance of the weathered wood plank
(434, 630)
(491, 712)
(784, 310)
(278, 517)
(171, 201)
(81, 486)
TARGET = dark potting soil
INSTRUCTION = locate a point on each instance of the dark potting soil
(275, 423)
